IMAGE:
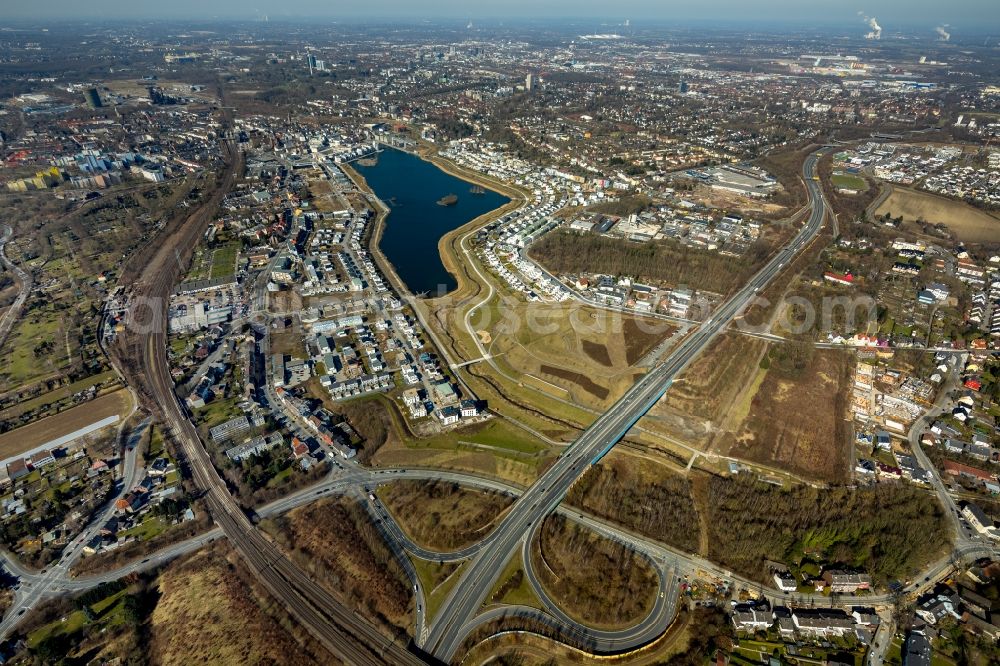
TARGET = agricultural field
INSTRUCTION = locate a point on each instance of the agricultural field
(443, 516)
(16, 442)
(965, 222)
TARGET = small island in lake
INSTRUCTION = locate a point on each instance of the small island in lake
(449, 200)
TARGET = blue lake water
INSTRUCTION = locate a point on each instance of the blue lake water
(411, 188)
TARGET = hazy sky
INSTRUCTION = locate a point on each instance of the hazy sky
(972, 14)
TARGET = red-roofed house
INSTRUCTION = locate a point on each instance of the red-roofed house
(846, 279)
(299, 448)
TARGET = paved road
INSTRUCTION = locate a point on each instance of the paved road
(344, 633)
(356, 481)
(36, 587)
(548, 491)
(10, 316)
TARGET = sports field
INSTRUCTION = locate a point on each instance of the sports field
(849, 182)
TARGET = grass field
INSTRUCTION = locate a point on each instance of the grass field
(224, 260)
(966, 222)
(512, 587)
(58, 394)
(437, 579)
(23, 439)
(848, 182)
(496, 448)
(42, 330)
(443, 516)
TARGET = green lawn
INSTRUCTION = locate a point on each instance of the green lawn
(18, 359)
(224, 261)
(147, 529)
(280, 478)
(218, 411)
(522, 595)
(849, 182)
(107, 612)
(435, 595)
(499, 435)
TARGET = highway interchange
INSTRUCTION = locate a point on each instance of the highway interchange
(548, 491)
(356, 640)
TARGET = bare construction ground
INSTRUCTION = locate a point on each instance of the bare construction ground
(798, 420)
(778, 404)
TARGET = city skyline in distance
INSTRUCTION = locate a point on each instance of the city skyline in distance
(968, 15)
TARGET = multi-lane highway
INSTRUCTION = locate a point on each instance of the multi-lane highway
(548, 491)
(355, 640)
(355, 482)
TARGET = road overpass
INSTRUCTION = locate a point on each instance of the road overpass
(547, 492)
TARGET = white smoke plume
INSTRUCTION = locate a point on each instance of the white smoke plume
(875, 31)
(942, 33)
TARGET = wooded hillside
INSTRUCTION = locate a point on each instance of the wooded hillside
(568, 252)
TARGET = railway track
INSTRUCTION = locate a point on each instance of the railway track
(142, 352)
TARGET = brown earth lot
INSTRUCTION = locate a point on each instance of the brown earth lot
(799, 421)
(696, 406)
(577, 378)
(597, 352)
(966, 222)
(639, 340)
(23, 439)
(443, 516)
(594, 579)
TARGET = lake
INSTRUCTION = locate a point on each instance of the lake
(411, 187)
